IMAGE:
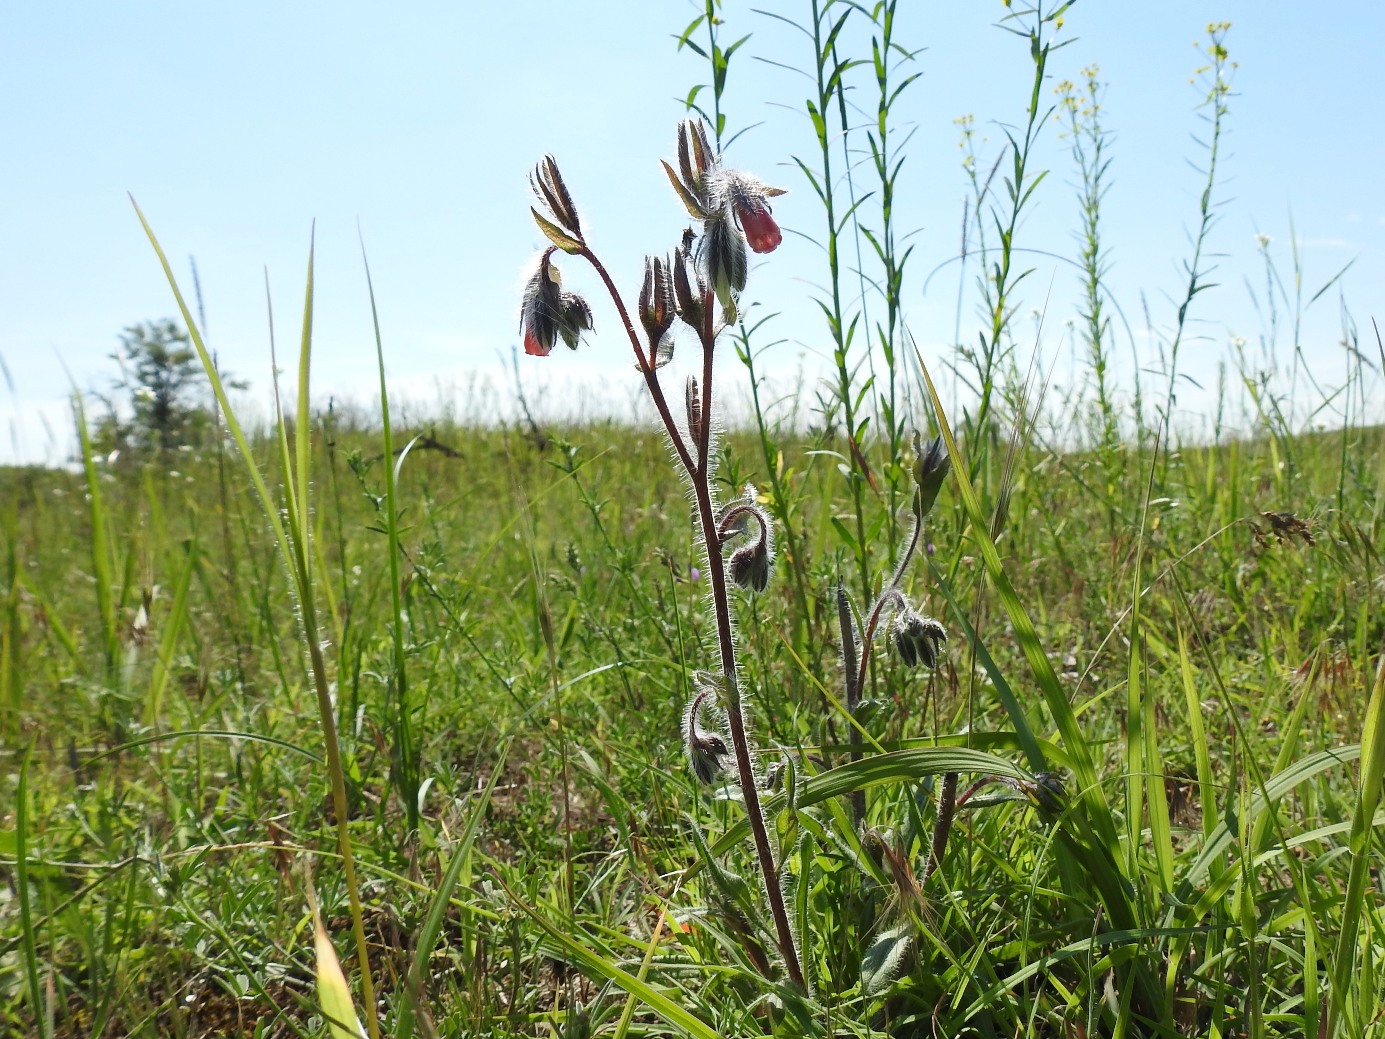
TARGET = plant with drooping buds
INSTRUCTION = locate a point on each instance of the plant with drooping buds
(699, 282)
(707, 753)
(918, 639)
(709, 266)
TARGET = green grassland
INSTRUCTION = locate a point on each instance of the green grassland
(174, 801)
(336, 719)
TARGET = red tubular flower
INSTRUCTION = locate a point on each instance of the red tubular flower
(761, 232)
(738, 216)
(748, 199)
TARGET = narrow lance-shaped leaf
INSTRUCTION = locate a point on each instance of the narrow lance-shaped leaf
(556, 234)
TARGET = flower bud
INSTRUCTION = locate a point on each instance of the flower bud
(723, 254)
(749, 566)
(692, 403)
(931, 466)
(548, 312)
(548, 185)
(657, 308)
(694, 152)
(690, 292)
(576, 318)
(1046, 791)
(706, 749)
(916, 638)
(695, 160)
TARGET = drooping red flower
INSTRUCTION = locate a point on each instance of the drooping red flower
(535, 346)
(738, 215)
(761, 232)
(548, 312)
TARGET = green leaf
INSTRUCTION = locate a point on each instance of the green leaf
(556, 234)
(690, 203)
(442, 900)
(886, 959)
(892, 767)
(333, 993)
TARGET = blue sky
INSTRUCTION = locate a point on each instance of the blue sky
(236, 126)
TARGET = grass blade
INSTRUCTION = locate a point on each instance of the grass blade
(1354, 900)
(604, 968)
(442, 899)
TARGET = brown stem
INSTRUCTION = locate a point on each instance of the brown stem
(735, 716)
(645, 363)
(698, 473)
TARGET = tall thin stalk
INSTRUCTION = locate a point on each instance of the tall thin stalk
(999, 283)
(887, 159)
(1082, 108)
(1218, 89)
(847, 397)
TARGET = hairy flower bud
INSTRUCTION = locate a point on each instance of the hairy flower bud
(692, 404)
(657, 308)
(575, 317)
(690, 292)
(931, 466)
(548, 185)
(722, 250)
(695, 155)
(706, 749)
(916, 638)
(547, 312)
(733, 208)
(749, 566)
(1047, 791)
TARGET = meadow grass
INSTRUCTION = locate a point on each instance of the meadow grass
(548, 607)
(327, 683)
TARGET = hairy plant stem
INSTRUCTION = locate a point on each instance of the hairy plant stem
(699, 471)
